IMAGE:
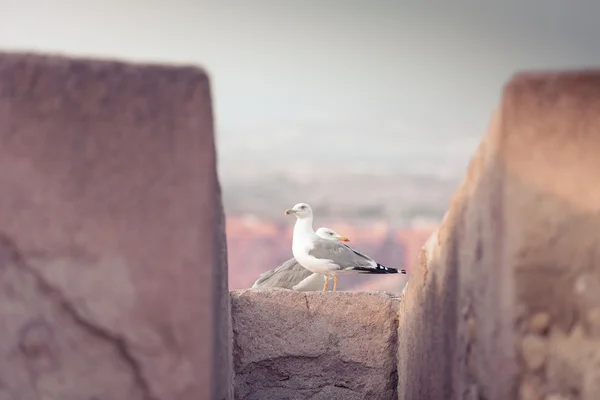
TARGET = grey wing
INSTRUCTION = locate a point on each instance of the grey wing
(287, 275)
(358, 253)
(340, 254)
(263, 278)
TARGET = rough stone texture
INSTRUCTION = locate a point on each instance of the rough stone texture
(314, 345)
(539, 323)
(522, 237)
(534, 350)
(112, 268)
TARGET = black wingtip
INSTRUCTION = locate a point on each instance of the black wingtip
(403, 271)
(379, 269)
(387, 269)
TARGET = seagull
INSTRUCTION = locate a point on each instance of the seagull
(291, 275)
(327, 257)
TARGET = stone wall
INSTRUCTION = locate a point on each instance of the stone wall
(112, 254)
(506, 302)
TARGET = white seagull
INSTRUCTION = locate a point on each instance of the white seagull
(292, 275)
(330, 258)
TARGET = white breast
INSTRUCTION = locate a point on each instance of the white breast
(300, 250)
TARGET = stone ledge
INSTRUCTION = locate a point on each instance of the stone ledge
(314, 345)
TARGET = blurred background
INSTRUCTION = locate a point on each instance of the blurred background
(367, 110)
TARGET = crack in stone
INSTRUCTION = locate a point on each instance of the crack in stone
(97, 331)
(306, 300)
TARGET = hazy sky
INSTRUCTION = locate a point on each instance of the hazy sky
(373, 82)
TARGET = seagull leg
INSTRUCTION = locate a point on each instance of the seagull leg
(335, 278)
(326, 283)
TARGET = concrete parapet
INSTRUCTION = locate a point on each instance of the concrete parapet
(112, 249)
(506, 302)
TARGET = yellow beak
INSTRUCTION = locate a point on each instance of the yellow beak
(343, 239)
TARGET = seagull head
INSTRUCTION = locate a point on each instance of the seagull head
(330, 234)
(300, 210)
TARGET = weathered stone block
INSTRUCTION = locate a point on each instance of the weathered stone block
(314, 345)
(503, 303)
(112, 264)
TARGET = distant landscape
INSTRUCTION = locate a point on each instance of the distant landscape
(397, 198)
